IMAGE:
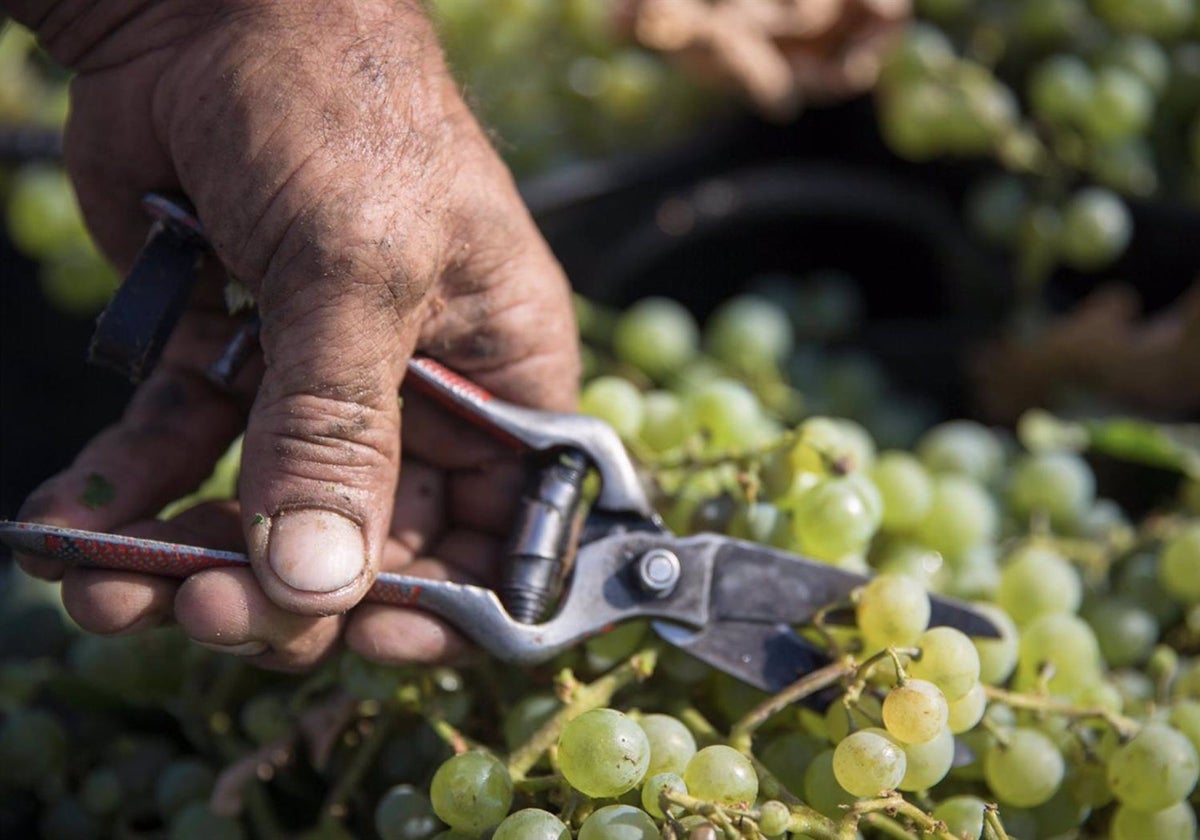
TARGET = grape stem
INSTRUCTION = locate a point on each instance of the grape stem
(993, 828)
(361, 761)
(736, 821)
(1125, 727)
(582, 697)
(892, 805)
(742, 733)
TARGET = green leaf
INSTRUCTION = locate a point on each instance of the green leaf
(1156, 444)
(98, 491)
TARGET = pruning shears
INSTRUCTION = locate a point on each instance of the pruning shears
(568, 576)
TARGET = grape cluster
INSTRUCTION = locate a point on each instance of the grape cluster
(1082, 103)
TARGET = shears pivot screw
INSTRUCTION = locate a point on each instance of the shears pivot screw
(658, 572)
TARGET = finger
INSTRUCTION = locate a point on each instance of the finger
(174, 430)
(418, 515)
(227, 611)
(109, 602)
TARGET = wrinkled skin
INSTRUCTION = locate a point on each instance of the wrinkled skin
(341, 178)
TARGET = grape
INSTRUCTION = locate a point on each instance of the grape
(471, 792)
(657, 335)
(774, 817)
(789, 755)
(603, 753)
(727, 412)
(1179, 565)
(748, 331)
(671, 744)
(616, 401)
(532, 824)
(43, 216)
(1096, 230)
(183, 781)
(967, 710)
(197, 822)
(527, 717)
(961, 517)
(665, 423)
(754, 521)
(948, 660)
(927, 763)
(101, 791)
(1125, 632)
(963, 815)
(911, 560)
(1143, 57)
(33, 747)
(653, 788)
(1059, 484)
(615, 646)
(404, 813)
(1061, 89)
(908, 114)
(868, 763)
(618, 822)
(1163, 18)
(963, 447)
(722, 775)
(1175, 822)
(1155, 770)
(827, 445)
(1025, 771)
(836, 517)
(264, 718)
(1038, 581)
(1068, 645)
(904, 488)
(995, 207)
(892, 610)
(922, 50)
(915, 712)
(1120, 107)
(823, 791)
(1185, 717)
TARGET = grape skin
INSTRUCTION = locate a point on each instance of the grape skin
(603, 753)
(868, 763)
(1025, 771)
(723, 775)
(915, 712)
(531, 824)
(618, 822)
(1155, 770)
(672, 744)
(471, 792)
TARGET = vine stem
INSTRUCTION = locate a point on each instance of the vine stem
(804, 821)
(993, 827)
(1124, 727)
(890, 806)
(582, 697)
(359, 764)
(742, 733)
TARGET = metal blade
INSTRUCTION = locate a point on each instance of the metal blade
(767, 656)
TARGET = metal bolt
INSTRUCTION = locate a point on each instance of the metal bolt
(658, 571)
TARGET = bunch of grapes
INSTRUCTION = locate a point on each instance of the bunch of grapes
(1083, 103)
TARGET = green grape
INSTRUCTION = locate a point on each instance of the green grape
(1061, 89)
(653, 788)
(33, 747)
(962, 516)
(974, 574)
(1038, 581)
(527, 717)
(749, 331)
(264, 718)
(1138, 581)
(672, 744)
(616, 401)
(892, 610)
(727, 412)
(963, 816)
(824, 446)
(1067, 644)
(404, 813)
(1155, 770)
(1120, 108)
(1176, 822)
(909, 112)
(1096, 230)
(1059, 815)
(1059, 484)
(181, 782)
(618, 644)
(471, 792)
(77, 280)
(1185, 717)
(618, 822)
(823, 791)
(532, 824)
(665, 423)
(633, 77)
(841, 719)
(196, 822)
(101, 792)
(905, 489)
(915, 712)
(656, 335)
(722, 775)
(774, 817)
(837, 516)
(927, 763)
(1179, 565)
(754, 521)
(963, 447)
(789, 755)
(868, 762)
(922, 50)
(603, 753)
(1026, 769)
(901, 557)
(995, 207)
(1125, 632)
(948, 660)
(1050, 20)
(967, 710)
(1161, 18)
(1143, 57)
(43, 216)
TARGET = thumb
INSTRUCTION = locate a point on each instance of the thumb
(322, 449)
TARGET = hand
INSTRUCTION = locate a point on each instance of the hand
(341, 178)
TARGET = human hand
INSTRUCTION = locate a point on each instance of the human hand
(341, 178)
